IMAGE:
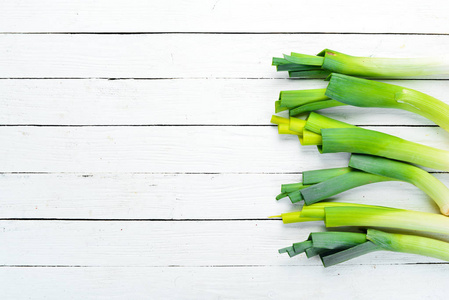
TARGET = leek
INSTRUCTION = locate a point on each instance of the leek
(293, 190)
(300, 65)
(291, 99)
(337, 247)
(368, 93)
(388, 158)
(405, 172)
(339, 184)
(317, 176)
(326, 241)
(335, 136)
(296, 127)
(309, 66)
(300, 101)
(318, 185)
(364, 141)
(284, 125)
(315, 122)
(309, 107)
(350, 253)
(348, 90)
(349, 214)
(309, 138)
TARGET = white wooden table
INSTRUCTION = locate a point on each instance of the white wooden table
(138, 161)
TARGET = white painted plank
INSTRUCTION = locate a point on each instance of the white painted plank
(180, 102)
(406, 282)
(166, 243)
(231, 15)
(129, 259)
(189, 55)
(177, 196)
(173, 149)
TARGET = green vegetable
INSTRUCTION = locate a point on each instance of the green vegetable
(359, 140)
(348, 90)
(318, 185)
(310, 138)
(339, 184)
(325, 241)
(293, 125)
(317, 176)
(337, 214)
(334, 136)
(347, 254)
(405, 172)
(318, 73)
(291, 99)
(368, 93)
(292, 190)
(284, 125)
(309, 66)
(337, 247)
(309, 107)
(388, 158)
(349, 138)
(301, 65)
(315, 122)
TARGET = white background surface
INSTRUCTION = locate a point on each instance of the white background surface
(138, 161)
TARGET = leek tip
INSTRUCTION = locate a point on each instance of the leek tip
(272, 217)
(279, 120)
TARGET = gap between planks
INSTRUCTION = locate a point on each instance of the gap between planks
(191, 125)
(139, 220)
(214, 266)
(218, 32)
(202, 78)
(91, 174)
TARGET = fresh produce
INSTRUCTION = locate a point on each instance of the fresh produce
(375, 156)
(405, 172)
(349, 90)
(363, 170)
(328, 61)
(337, 214)
(333, 136)
(336, 247)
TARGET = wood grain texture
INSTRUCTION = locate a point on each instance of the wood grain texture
(188, 55)
(177, 196)
(157, 184)
(224, 16)
(171, 149)
(162, 244)
(178, 102)
(403, 282)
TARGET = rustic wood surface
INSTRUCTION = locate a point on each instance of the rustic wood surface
(138, 161)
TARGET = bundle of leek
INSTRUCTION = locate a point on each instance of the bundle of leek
(384, 157)
(328, 61)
